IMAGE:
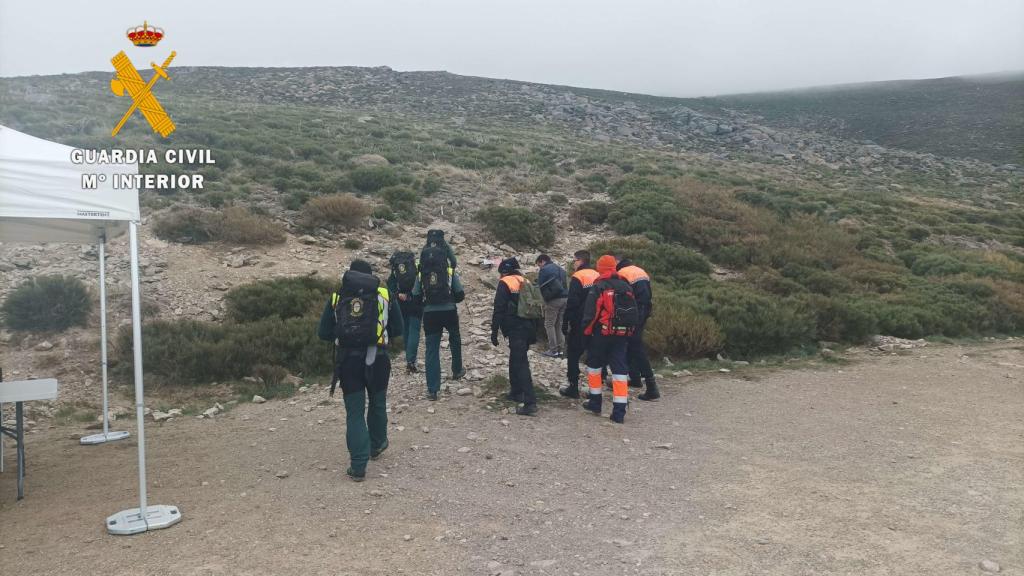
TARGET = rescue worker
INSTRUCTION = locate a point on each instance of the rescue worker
(440, 289)
(583, 279)
(607, 345)
(636, 352)
(520, 333)
(404, 269)
(363, 370)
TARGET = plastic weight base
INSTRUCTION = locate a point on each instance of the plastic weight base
(103, 438)
(131, 521)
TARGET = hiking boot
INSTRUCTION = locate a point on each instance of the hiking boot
(513, 397)
(651, 393)
(570, 390)
(593, 404)
(550, 353)
(374, 454)
(527, 410)
(356, 476)
(635, 383)
(618, 413)
(432, 396)
(458, 375)
(410, 367)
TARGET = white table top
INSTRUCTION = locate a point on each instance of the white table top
(25, 390)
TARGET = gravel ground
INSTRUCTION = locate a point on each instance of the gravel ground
(893, 464)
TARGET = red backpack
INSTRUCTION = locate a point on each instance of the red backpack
(617, 311)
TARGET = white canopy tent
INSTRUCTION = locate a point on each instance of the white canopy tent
(42, 200)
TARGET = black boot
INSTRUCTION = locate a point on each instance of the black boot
(570, 390)
(635, 383)
(593, 404)
(527, 410)
(618, 413)
(652, 392)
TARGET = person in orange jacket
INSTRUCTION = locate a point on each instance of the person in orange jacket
(636, 351)
(609, 317)
(583, 279)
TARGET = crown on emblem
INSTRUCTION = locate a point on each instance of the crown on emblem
(145, 36)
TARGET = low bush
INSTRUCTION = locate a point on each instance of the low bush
(191, 352)
(279, 297)
(591, 212)
(234, 224)
(518, 227)
(46, 303)
(373, 178)
(678, 331)
(353, 243)
(335, 211)
(430, 186)
(842, 320)
(401, 200)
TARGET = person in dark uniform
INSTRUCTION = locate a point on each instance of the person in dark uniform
(520, 333)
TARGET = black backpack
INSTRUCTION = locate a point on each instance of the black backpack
(434, 281)
(435, 239)
(403, 264)
(625, 314)
(355, 312)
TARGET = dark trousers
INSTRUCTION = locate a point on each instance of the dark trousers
(412, 314)
(576, 345)
(636, 355)
(608, 351)
(519, 377)
(433, 325)
(366, 429)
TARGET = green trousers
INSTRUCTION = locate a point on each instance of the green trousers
(366, 427)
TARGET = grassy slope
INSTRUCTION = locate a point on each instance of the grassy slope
(980, 117)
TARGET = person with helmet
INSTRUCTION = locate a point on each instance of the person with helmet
(609, 316)
(636, 351)
(583, 279)
(359, 318)
(520, 333)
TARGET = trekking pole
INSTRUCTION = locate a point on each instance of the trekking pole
(334, 372)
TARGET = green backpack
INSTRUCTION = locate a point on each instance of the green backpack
(531, 303)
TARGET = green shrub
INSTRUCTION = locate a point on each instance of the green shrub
(295, 200)
(430, 186)
(558, 199)
(677, 330)
(279, 297)
(190, 352)
(591, 211)
(353, 243)
(664, 262)
(185, 224)
(843, 320)
(335, 211)
(401, 200)
(238, 225)
(518, 227)
(918, 233)
(373, 178)
(46, 303)
(271, 376)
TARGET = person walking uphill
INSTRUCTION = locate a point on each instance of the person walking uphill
(516, 314)
(404, 269)
(636, 350)
(552, 283)
(359, 318)
(441, 290)
(610, 316)
(572, 324)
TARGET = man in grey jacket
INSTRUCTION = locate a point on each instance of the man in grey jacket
(554, 288)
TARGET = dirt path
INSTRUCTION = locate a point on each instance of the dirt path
(907, 464)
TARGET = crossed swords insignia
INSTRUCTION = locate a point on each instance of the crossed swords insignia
(141, 93)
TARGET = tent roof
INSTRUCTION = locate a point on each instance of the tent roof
(42, 199)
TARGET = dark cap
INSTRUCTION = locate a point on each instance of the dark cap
(361, 266)
(508, 266)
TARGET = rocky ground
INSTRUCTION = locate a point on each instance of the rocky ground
(901, 462)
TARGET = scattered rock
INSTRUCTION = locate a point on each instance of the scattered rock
(283, 474)
(307, 239)
(44, 346)
(464, 450)
(989, 566)
(257, 399)
(159, 416)
(464, 391)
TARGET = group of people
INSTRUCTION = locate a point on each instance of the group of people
(601, 310)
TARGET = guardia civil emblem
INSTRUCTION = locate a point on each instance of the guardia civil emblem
(356, 308)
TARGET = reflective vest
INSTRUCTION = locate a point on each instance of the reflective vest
(586, 277)
(514, 282)
(383, 309)
(633, 274)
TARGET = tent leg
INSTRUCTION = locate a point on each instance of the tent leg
(107, 435)
(143, 518)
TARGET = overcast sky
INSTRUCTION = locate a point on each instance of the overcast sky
(679, 48)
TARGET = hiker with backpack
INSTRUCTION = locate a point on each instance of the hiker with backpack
(610, 317)
(636, 350)
(359, 318)
(435, 239)
(552, 282)
(440, 289)
(518, 306)
(404, 269)
(583, 279)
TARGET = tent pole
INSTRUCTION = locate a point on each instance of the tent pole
(137, 362)
(145, 517)
(107, 435)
